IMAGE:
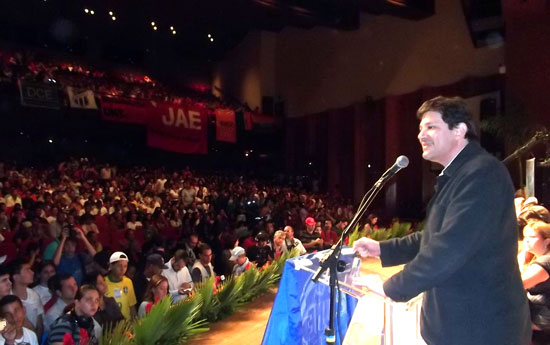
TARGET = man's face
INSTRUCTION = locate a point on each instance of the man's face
(328, 224)
(119, 268)
(193, 241)
(310, 228)
(68, 289)
(47, 272)
(439, 143)
(289, 233)
(241, 259)
(14, 314)
(206, 256)
(5, 285)
(25, 276)
(69, 248)
(178, 265)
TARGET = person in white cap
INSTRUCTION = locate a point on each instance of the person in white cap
(119, 286)
(238, 255)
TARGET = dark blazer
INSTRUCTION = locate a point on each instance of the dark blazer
(465, 259)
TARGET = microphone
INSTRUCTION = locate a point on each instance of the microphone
(400, 163)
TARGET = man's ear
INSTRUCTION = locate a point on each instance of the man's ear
(461, 129)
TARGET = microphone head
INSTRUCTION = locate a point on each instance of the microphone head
(402, 162)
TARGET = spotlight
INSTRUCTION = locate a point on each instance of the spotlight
(209, 35)
(110, 13)
(173, 32)
(172, 28)
(50, 141)
(155, 28)
(86, 10)
(92, 12)
(113, 18)
(152, 23)
(211, 40)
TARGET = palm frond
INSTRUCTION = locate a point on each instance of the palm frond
(228, 296)
(249, 278)
(149, 330)
(381, 234)
(210, 305)
(355, 235)
(121, 334)
(178, 322)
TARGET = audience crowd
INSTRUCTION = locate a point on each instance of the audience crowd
(35, 67)
(103, 243)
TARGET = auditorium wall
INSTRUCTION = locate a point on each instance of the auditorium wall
(321, 68)
(528, 56)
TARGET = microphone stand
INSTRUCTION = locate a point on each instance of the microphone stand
(332, 261)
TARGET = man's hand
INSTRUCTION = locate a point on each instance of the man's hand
(367, 247)
(185, 289)
(9, 333)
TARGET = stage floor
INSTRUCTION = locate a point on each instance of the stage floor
(245, 327)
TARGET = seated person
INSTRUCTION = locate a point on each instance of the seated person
(536, 275)
(11, 309)
(64, 289)
(45, 272)
(108, 312)
(157, 289)
(179, 279)
(238, 255)
(78, 323)
(311, 238)
(261, 253)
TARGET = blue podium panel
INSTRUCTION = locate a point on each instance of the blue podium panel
(300, 312)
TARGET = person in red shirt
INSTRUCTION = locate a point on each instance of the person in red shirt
(328, 235)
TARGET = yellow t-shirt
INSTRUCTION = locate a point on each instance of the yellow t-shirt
(123, 293)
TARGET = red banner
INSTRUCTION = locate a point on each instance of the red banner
(177, 128)
(123, 110)
(248, 125)
(226, 128)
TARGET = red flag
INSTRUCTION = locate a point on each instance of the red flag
(178, 128)
(226, 129)
(123, 110)
(248, 121)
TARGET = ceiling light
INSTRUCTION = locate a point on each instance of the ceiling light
(92, 12)
(152, 23)
(110, 13)
(172, 28)
(209, 35)
(113, 18)
(86, 10)
(173, 32)
(155, 28)
(211, 40)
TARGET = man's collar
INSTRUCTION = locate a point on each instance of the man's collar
(460, 158)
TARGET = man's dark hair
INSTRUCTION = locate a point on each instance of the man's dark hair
(453, 111)
(16, 266)
(8, 299)
(55, 282)
(181, 254)
(4, 269)
(204, 247)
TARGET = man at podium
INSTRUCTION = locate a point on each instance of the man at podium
(464, 261)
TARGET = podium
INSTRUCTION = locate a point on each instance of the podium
(300, 312)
